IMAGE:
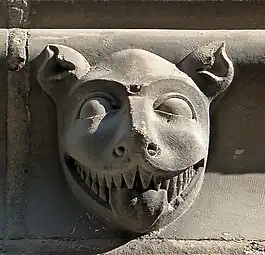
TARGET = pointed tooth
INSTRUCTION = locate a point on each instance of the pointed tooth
(172, 189)
(187, 176)
(94, 188)
(88, 178)
(181, 177)
(88, 181)
(185, 179)
(145, 177)
(129, 178)
(117, 180)
(88, 172)
(190, 174)
(165, 184)
(103, 193)
(157, 181)
(83, 174)
(94, 176)
(78, 169)
(109, 181)
(179, 184)
(101, 179)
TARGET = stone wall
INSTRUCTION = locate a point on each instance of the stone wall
(40, 215)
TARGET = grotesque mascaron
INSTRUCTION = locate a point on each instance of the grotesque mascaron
(133, 130)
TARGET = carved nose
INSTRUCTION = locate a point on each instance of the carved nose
(119, 151)
(152, 149)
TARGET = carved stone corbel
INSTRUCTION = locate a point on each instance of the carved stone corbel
(133, 130)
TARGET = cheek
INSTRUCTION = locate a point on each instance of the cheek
(190, 141)
(183, 142)
(86, 139)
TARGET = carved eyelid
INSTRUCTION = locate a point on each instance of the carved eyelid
(110, 98)
(163, 98)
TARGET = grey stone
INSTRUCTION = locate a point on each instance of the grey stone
(17, 13)
(172, 45)
(137, 246)
(17, 135)
(134, 165)
(39, 215)
(3, 15)
(147, 14)
(226, 166)
(3, 93)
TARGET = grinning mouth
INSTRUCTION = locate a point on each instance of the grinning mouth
(100, 185)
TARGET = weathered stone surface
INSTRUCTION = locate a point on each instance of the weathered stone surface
(148, 14)
(48, 196)
(152, 129)
(36, 204)
(3, 15)
(233, 184)
(17, 13)
(3, 93)
(244, 47)
(17, 135)
(137, 246)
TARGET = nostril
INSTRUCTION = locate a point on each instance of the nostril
(135, 88)
(152, 149)
(119, 152)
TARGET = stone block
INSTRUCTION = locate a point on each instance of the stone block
(139, 246)
(3, 15)
(147, 14)
(231, 202)
(3, 96)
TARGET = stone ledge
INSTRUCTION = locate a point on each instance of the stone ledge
(147, 14)
(171, 14)
(139, 246)
(91, 1)
(3, 15)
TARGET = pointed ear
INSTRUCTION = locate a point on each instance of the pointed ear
(59, 68)
(210, 68)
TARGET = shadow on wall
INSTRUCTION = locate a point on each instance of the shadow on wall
(238, 124)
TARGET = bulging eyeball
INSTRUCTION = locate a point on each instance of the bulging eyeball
(95, 106)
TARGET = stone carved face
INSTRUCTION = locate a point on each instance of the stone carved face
(134, 129)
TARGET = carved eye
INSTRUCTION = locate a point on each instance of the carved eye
(176, 106)
(95, 106)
